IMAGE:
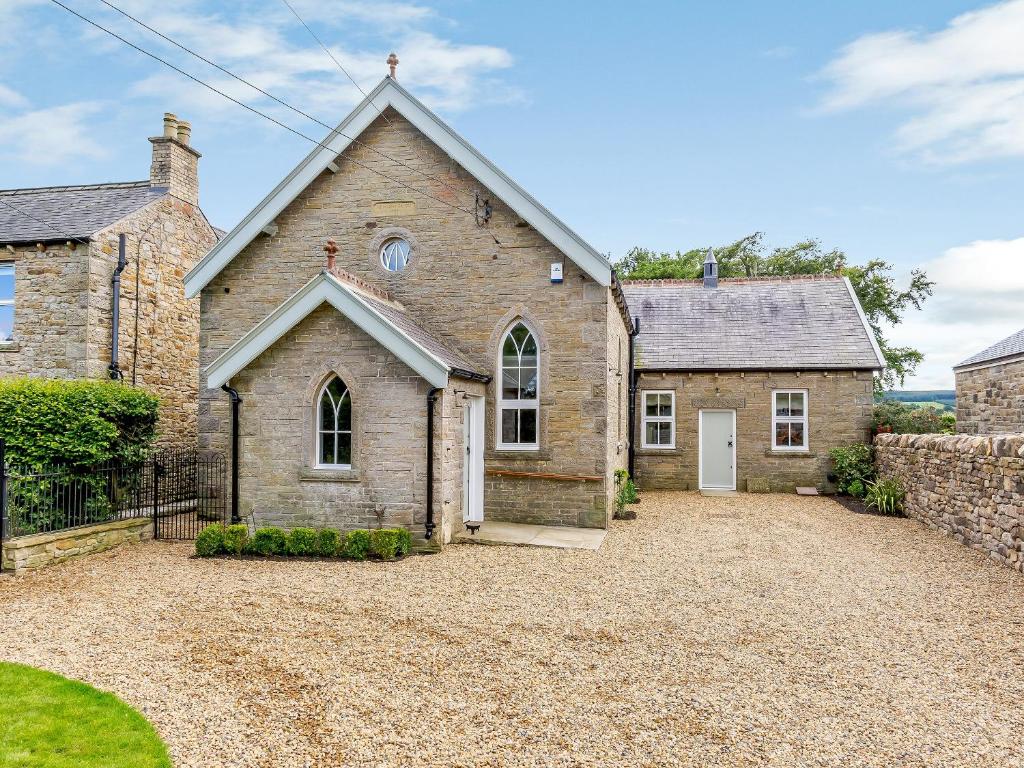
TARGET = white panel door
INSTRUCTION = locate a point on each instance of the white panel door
(718, 450)
(473, 460)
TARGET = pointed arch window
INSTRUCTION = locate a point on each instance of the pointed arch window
(334, 426)
(519, 397)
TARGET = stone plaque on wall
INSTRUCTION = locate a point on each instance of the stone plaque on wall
(394, 208)
(719, 402)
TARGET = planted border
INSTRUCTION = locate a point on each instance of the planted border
(380, 543)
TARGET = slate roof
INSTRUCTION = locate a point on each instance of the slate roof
(750, 324)
(1011, 345)
(401, 319)
(73, 212)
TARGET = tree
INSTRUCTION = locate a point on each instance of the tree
(881, 299)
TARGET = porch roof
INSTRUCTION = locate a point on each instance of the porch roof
(385, 321)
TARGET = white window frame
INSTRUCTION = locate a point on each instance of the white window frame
(10, 302)
(791, 419)
(516, 405)
(401, 254)
(644, 419)
(318, 464)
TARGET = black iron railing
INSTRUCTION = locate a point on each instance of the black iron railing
(182, 489)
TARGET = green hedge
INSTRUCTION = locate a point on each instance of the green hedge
(75, 423)
(380, 543)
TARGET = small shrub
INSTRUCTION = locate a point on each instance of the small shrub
(886, 495)
(904, 419)
(356, 545)
(235, 538)
(328, 542)
(301, 541)
(853, 464)
(210, 541)
(386, 543)
(404, 542)
(268, 541)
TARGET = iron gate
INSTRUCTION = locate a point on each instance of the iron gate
(186, 491)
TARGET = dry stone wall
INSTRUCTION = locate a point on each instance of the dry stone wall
(971, 488)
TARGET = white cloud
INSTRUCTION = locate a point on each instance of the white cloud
(267, 46)
(11, 98)
(963, 85)
(50, 136)
(977, 301)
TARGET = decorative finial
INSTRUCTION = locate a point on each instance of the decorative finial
(331, 249)
(393, 63)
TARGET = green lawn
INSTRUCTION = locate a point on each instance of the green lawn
(48, 721)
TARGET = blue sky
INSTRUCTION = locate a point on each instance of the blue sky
(888, 130)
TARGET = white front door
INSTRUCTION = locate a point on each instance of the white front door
(473, 460)
(718, 450)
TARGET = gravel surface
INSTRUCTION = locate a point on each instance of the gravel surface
(751, 630)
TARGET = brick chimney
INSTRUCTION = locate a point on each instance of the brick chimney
(175, 164)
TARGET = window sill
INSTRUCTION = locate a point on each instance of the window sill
(323, 475)
(10, 346)
(529, 454)
(798, 453)
(655, 448)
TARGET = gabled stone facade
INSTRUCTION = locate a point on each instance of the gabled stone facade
(64, 295)
(468, 281)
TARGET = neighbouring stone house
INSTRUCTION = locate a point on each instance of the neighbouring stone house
(408, 337)
(990, 389)
(59, 252)
(746, 383)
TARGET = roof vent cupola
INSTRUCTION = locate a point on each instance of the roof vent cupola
(710, 270)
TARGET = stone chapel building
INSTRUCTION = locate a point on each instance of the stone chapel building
(406, 337)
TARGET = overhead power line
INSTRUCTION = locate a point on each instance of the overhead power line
(252, 109)
(37, 220)
(347, 74)
(272, 97)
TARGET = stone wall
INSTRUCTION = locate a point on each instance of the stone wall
(971, 488)
(42, 549)
(838, 409)
(990, 398)
(465, 284)
(159, 328)
(51, 312)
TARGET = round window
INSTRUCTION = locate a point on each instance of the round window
(394, 254)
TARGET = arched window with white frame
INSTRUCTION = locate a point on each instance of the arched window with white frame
(519, 392)
(334, 425)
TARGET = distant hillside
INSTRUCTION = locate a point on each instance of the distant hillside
(946, 398)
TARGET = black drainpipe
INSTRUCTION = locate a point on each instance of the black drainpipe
(236, 402)
(632, 396)
(115, 316)
(431, 399)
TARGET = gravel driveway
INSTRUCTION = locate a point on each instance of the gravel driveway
(752, 630)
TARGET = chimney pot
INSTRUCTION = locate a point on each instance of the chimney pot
(170, 125)
(184, 132)
(331, 249)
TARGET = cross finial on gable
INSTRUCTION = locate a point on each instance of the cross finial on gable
(393, 64)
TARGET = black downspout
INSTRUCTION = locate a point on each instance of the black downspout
(236, 402)
(632, 396)
(115, 316)
(431, 399)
